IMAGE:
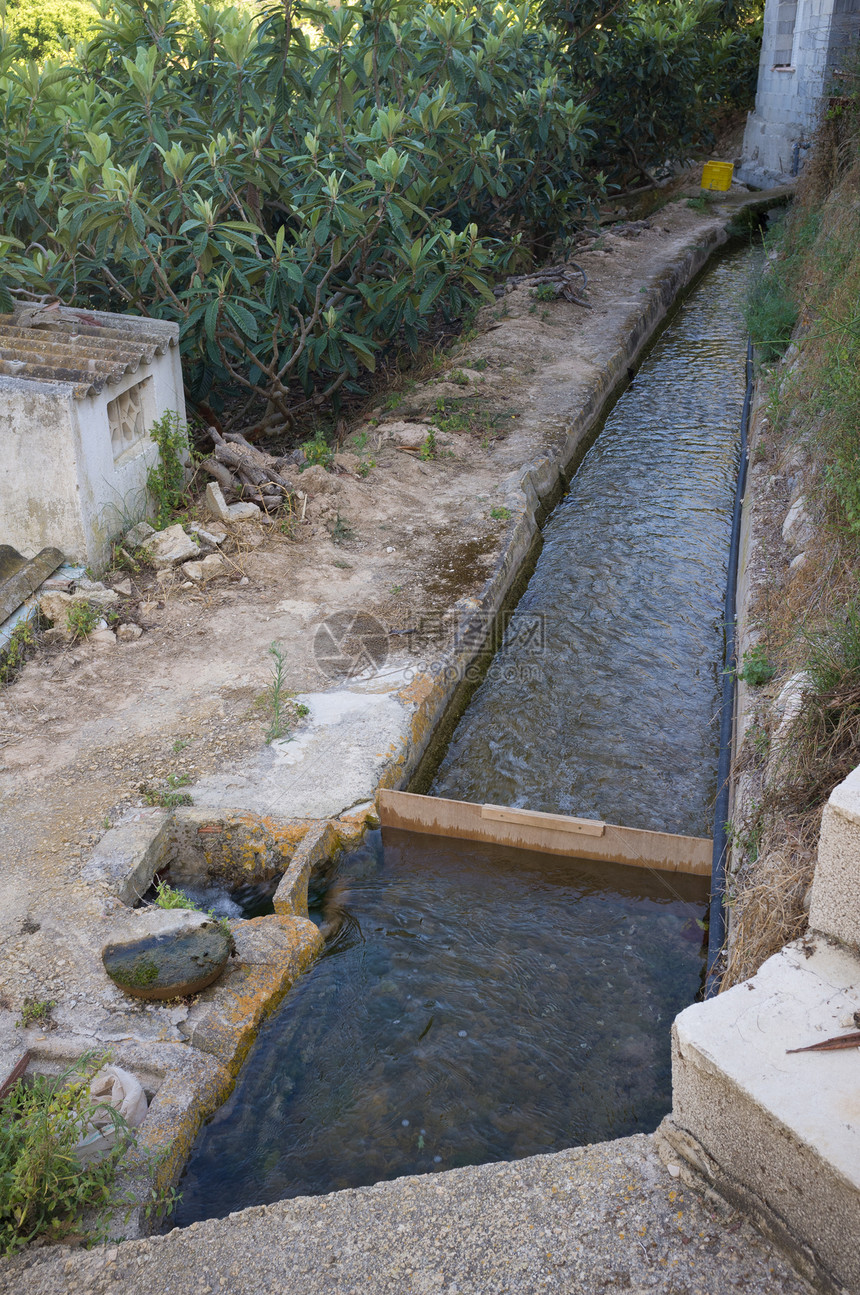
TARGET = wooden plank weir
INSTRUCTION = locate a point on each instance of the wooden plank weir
(526, 829)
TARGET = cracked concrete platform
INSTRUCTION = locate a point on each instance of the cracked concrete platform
(603, 1218)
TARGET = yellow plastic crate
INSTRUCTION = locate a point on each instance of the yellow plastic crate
(717, 175)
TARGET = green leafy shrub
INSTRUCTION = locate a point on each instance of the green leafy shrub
(301, 190)
(318, 451)
(46, 1189)
(42, 28)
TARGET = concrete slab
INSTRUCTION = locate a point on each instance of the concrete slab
(336, 761)
(781, 1130)
(605, 1218)
(835, 905)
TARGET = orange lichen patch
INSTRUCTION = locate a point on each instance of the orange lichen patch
(178, 1110)
(273, 953)
(238, 847)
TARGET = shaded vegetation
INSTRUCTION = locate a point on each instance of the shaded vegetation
(302, 189)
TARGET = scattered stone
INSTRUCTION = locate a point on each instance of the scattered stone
(95, 592)
(128, 633)
(209, 568)
(139, 535)
(798, 563)
(166, 953)
(124, 587)
(244, 581)
(243, 512)
(798, 529)
(210, 535)
(102, 638)
(172, 546)
(216, 504)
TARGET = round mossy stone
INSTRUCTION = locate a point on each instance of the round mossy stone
(168, 963)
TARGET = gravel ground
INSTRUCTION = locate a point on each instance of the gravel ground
(603, 1218)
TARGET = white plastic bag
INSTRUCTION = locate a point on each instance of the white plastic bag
(114, 1087)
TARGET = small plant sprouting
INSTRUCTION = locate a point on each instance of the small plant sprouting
(167, 797)
(756, 669)
(544, 292)
(458, 377)
(167, 896)
(429, 449)
(165, 481)
(699, 203)
(366, 467)
(341, 531)
(36, 1011)
(500, 514)
(279, 725)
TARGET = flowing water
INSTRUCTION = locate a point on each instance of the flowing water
(603, 700)
(476, 1003)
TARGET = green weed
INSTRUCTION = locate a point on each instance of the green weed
(500, 513)
(36, 1011)
(318, 452)
(279, 725)
(341, 531)
(429, 448)
(165, 481)
(756, 669)
(82, 619)
(48, 1193)
(21, 643)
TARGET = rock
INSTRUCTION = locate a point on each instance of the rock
(209, 568)
(798, 529)
(128, 633)
(348, 462)
(216, 504)
(55, 606)
(172, 546)
(102, 638)
(166, 953)
(139, 535)
(210, 535)
(410, 434)
(316, 481)
(798, 563)
(243, 512)
(124, 587)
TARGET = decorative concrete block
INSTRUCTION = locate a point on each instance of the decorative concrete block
(835, 906)
(781, 1131)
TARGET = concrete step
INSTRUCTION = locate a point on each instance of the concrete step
(777, 1132)
(591, 1221)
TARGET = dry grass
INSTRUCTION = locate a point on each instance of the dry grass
(767, 910)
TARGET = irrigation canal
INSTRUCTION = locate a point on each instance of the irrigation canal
(476, 1003)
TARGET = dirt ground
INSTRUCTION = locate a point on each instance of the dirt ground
(84, 728)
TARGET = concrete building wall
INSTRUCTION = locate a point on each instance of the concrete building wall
(801, 44)
(38, 468)
(73, 467)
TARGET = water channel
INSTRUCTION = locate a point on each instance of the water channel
(475, 1003)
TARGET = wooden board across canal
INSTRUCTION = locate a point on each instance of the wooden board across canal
(525, 829)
